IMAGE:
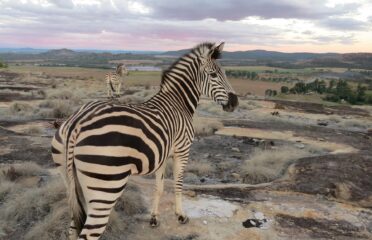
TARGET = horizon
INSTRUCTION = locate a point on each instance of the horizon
(290, 26)
(160, 51)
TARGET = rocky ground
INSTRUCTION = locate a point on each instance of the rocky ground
(325, 195)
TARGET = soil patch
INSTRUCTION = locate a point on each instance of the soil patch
(345, 177)
(318, 108)
(319, 228)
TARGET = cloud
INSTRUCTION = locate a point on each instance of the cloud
(239, 9)
(62, 3)
(344, 24)
(150, 24)
(342, 39)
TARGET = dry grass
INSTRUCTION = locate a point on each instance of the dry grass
(206, 126)
(38, 210)
(267, 165)
(59, 105)
(34, 130)
(356, 124)
(20, 108)
(27, 169)
(200, 168)
(134, 97)
(248, 105)
(211, 108)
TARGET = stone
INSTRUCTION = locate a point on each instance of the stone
(190, 193)
(299, 145)
(235, 175)
(235, 149)
(259, 215)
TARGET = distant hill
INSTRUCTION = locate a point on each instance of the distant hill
(101, 58)
(37, 50)
(262, 55)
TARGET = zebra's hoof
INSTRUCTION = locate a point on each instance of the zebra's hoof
(183, 219)
(154, 222)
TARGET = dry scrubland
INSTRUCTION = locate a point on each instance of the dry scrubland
(250, 146)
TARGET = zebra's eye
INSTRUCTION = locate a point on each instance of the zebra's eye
(213, 75)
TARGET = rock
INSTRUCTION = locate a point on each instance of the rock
(190, 193)
(259, 215)
(322, 123)
(235, 149)
(299, 145)
(205, 222)
(321, 139)
(369, 132)
(235, 175)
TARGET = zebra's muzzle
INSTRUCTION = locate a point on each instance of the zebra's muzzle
(232, 103)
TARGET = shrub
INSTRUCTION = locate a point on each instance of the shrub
(206, 126)
(20, 108)
(267, 165)
(200, 168)
(34, 130)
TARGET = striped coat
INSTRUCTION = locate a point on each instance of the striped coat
(102, 144)
(114, 80)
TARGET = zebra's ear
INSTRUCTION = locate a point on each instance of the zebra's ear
(216, 51)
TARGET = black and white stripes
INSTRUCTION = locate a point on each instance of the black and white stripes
(102, 144)
(114, 79)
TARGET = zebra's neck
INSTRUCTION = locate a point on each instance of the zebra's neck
(179, 85)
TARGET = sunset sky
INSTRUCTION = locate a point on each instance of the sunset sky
(279, 25)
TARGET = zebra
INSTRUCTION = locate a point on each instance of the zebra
(103, 143)
(113, 80)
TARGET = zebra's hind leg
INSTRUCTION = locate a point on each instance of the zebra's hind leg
(154, 221)
(100, 201)
(179, 164)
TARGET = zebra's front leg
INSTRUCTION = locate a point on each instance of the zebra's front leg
(118, 88)
(179, 165)
(159, 188)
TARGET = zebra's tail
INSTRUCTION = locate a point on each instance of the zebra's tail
(76, 197)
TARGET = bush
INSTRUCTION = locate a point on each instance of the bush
(20, 108)
(34, 130)
(267, 165)
(284, 89)
(206, 126)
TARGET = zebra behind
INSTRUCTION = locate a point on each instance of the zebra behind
(102, 144)
(114, 79)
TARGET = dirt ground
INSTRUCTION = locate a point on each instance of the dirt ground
(326, 195)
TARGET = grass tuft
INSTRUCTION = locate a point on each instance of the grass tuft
(267, 165)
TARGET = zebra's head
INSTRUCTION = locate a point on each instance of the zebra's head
(121, 69)
(213, 81)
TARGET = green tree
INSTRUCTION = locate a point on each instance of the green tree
(361, 93)
(284, 89)
(268, 92)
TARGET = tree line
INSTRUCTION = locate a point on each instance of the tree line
(336, 91)
(3, 65)
(242, 74)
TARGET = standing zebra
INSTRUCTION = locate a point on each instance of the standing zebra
(113, 80)
(102, 144)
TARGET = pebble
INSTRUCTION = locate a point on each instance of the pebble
(235, 149)
(205, 222)
(259, 216)
(235, 175)
(299, 145)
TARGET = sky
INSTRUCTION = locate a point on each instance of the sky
(161, 25)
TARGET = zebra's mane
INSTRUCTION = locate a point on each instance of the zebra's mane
(198, 50)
